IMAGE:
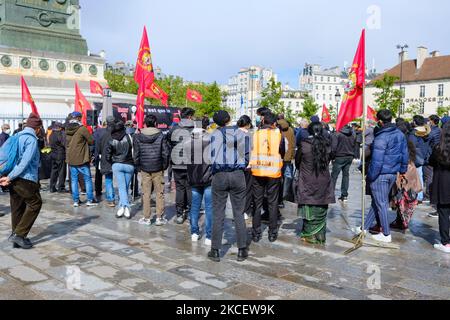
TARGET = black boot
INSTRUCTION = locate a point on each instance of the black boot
(242, 255)
(273, 237)
(214, 255)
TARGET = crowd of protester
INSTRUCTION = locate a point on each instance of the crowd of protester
(257, 167)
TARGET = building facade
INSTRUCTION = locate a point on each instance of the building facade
(244, 90)
(425, 82)
(323, 84)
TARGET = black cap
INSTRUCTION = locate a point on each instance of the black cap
(221, 118)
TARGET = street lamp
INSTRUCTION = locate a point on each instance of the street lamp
(338, 100)
(402, 49)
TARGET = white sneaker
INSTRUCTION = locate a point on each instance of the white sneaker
(160, 222)
(127, 213)
(246, 217)
(208, 242)
(358, 230)
(76, 204)
(145, 222)
(382, 238)
(120, 213)
(195, 237)
(442, 248)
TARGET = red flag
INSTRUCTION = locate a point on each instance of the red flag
(352, 104)
(140, 104)
(96, 88)
(81, 104)
(156, 92)
(26, 97)
(144, 66)
(194, 96)
(326, 117)
(371, 114)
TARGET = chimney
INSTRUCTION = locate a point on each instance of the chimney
(422, 54)
(403, 56)
(435, 54)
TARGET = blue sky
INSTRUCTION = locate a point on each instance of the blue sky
(210, 40)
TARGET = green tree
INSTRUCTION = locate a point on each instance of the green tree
(413, 109)
(310, 108)
(271, 98)
(388, 98)
(212, 101)
(443, 111)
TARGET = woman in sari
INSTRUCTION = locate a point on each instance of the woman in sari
(314, 186)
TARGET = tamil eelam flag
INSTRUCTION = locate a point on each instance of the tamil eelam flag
(194, 96)
(353, 102)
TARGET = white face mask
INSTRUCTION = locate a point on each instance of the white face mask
(8, 131)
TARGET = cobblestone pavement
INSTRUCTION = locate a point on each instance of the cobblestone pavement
(89, 254)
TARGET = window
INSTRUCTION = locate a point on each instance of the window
(315, 79)
(317, 97)
(441, 90)
(328, 79)
(334, 79)
(331, 97)
(422, 91)
(331, 88)
(403, 90)
(402, 108)
(317, 87)
(422, 108)
(323, 88)
(324, 97)
(298, 104)
(321, 79)
(440, 104)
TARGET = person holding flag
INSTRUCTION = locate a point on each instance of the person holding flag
(390, 156)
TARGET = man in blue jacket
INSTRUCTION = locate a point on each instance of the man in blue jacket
(389, 157)
(23, 183)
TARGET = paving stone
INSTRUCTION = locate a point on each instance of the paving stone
(203, 277)
(55, 290)
(115, 295)
(249, 292)
(26, 274)
(6, 261)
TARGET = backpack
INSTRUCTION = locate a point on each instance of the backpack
(9, 155)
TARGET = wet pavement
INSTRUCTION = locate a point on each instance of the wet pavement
(88, 254)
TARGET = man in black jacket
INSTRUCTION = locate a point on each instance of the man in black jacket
(104, 166)
(343, 147)
(151, 157)
(176, 137)
(57, 141)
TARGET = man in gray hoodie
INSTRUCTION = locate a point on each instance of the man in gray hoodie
(176, 137)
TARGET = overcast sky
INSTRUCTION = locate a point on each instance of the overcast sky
(210, 40)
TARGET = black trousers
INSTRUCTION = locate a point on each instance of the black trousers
(444, 223)
(183, 197)
(249, 201)
(427, 181)
(231, 184)
(98, 182)
(269, 186)
(58, 174)
(342, 164)
(26, 204)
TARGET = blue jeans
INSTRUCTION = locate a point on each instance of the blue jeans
(109, 186)
(381, 189)
(197, 198)
(124, 174)
(86, 172)
(421, 194)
